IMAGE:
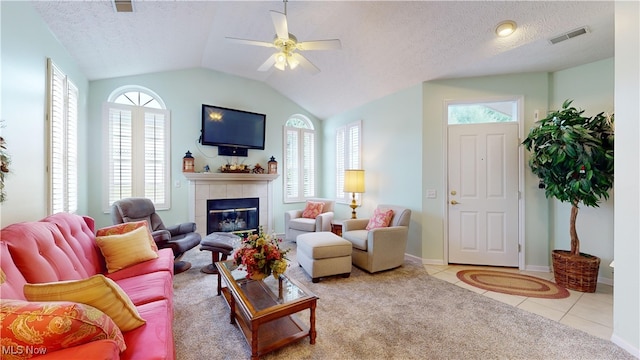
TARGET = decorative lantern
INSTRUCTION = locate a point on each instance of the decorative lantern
(272, 166)
(188, 162)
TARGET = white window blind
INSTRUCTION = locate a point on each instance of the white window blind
(137, 154)
(348, 156)
(63, 141)
(299, 159)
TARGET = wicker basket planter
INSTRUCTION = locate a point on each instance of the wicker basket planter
(575, 272)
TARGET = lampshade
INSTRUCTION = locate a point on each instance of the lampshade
(354, 181)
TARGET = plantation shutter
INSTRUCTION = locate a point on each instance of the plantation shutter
(138, 156)
(63, 138)
(340, 163)
(72, 149)
(155, 157)
(308, 159)
(348, 155)
(291, 165)
(120, 153)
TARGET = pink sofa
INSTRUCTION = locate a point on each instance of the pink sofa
(63, 247)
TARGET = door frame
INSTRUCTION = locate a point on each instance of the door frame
(519, 99)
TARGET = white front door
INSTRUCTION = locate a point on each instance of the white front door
(483, 194)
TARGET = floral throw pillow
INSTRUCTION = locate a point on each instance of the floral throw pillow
(313, 209)
(380, 219)
(45, 327)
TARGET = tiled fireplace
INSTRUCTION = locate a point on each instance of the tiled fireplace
(204, 187)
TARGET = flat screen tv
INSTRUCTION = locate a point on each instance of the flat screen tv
(230, 128)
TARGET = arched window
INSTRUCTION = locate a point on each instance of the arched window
(137, 126)
(299, 159)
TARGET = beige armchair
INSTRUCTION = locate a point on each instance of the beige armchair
(381, 248)
(295, 224)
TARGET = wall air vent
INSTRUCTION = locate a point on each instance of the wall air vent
(568, 35)
(123, 5)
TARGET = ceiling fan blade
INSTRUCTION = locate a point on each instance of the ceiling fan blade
(269, 63)
(333, 44)
(280, 23)
(250, 42)
(306, 64)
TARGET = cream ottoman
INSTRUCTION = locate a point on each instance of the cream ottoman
(324, 254)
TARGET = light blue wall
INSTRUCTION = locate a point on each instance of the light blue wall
(184, 92)
(26, 45)
(626, 292)
(534, 88)
(391, 157)
(591, 88)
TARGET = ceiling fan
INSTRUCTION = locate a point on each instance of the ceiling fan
(287, 44)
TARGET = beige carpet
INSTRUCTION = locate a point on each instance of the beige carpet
(398, 314)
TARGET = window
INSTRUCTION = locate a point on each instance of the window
(137, 147)
(348, 156)
(480, 113)
(63, 141)
(299, 159)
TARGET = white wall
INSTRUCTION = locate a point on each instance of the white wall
(26, 45)
(626, 292)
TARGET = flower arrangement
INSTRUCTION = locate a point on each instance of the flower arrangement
(260, 255)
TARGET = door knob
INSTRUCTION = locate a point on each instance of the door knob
(453, 202)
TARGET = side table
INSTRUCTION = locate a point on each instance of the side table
(336, 227)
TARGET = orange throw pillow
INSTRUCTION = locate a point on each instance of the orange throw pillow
(44, 327)
(123, 228)
(124, 250)
(380, 219)
(312, 210)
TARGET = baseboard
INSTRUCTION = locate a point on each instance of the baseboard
(625, 345)
(537, 268)
(604, 280)
(433, 262)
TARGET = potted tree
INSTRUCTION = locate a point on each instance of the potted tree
(572, 155)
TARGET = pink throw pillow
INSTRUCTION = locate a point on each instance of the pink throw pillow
(312, 210)
(380, 219)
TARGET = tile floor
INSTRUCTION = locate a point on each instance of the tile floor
(589, 312)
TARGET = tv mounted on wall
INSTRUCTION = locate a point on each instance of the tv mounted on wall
(232, 131)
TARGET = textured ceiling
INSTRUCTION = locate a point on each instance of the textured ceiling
(386, 46)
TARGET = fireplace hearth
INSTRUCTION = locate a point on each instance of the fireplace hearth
(207, 186)
(239, 215)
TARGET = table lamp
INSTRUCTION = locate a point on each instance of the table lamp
(353, 183)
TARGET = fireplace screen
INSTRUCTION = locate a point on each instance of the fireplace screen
(233, 215)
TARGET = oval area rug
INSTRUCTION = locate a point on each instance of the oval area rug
(512, 283)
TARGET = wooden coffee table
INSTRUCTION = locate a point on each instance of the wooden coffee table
(264, 309)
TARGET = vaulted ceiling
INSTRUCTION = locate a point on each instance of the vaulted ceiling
(386, 46)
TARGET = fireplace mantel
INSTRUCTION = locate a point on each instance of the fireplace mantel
(205, 186)
(229, 176)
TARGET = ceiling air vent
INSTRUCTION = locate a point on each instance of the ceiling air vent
(123, 5)
(568, 35)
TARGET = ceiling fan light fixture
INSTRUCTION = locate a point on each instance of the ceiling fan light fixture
(506, 28)
(293, 62)
(281, 61)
